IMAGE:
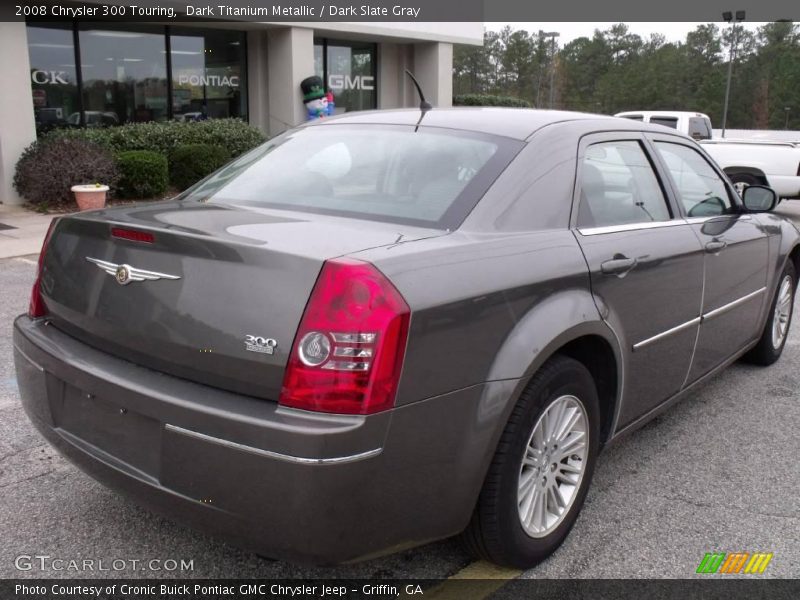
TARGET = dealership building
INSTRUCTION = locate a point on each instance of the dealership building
(103, 74)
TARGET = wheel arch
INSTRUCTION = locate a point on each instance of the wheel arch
(742, 170)
(570, 324)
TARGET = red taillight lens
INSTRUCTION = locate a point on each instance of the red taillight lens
(132, 235)
(36, 308)
(349, 348)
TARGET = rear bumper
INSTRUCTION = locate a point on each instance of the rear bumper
(288, 484)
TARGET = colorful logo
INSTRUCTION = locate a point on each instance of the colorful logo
(735, 562)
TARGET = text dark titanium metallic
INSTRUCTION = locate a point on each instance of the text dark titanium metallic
(391, 327)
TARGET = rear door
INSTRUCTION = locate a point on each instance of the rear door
(646, 266)
(735, 249)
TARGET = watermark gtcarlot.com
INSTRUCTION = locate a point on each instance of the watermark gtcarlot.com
(44, 562)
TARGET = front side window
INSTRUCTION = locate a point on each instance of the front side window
(385, 174)
(618, 186)
(702, 192)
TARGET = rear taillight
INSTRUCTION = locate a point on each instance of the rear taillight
(36, 308)
(349, 348)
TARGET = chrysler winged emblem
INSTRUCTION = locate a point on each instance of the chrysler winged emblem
(124, 274)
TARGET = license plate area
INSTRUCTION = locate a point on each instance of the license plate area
(122, 433)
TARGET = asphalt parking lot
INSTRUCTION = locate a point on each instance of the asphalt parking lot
(717, 472)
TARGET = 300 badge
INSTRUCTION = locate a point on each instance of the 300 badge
(256, 343)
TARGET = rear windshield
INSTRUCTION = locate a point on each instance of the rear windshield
(665, 121)
(429, 177)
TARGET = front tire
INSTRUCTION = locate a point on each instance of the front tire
(773, 338)
(541, 471)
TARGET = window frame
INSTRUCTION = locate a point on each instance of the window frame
(733, 197)
(590, 139)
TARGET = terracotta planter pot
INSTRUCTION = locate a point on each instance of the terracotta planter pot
(90, 197)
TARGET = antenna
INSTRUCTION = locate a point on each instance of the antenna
(423, 104)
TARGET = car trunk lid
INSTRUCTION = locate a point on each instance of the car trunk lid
(215, 296)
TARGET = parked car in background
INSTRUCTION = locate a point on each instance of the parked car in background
(694, 124)
(390, 327)
(746, 161)
(759, 162)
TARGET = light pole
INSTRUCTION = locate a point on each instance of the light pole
(729, 18)
(552, 35)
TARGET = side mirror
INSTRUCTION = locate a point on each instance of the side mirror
(759, 198)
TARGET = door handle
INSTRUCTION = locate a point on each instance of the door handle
(620, 265)
(715, 246)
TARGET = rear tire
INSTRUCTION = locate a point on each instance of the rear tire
(516, 521)
(773, 338)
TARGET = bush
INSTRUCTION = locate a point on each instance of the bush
(489, 100)
(236, 136)
(143, 174)
(48, 169)
(189, 164)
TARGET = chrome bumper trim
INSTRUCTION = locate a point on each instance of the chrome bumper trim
(337, 460)
(29, 359)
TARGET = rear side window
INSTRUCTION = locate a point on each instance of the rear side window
(701, 190)
(619, 186)
(699, 128)
(671, 122)
(633, 117)
(397, 174)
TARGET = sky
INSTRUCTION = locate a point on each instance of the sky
(569, 31)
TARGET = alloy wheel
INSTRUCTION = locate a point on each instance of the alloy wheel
(782, 313)
(553, 466)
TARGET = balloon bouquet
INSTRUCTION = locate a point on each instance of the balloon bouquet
(319, 103)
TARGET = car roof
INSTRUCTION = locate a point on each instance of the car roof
(663, 113)
(518, 123)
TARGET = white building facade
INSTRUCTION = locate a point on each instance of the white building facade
(81, 74)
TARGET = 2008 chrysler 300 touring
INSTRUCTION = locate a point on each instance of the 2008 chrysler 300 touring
(395, 326)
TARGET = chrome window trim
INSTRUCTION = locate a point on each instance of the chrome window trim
(302, 460)
(693, 220)
(629, 227)
(730, 305)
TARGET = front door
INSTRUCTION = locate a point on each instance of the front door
(736, 252)
(646, 267)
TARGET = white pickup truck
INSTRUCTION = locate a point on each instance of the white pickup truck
(747, 162)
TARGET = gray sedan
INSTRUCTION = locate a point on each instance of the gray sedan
(391, 327)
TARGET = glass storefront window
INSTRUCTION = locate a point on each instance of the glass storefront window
(54, 83)
(208, 74)
(349, 71)
(124, 72)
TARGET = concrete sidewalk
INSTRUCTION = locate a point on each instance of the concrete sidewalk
(21, 231)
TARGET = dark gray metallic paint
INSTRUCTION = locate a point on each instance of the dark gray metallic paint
(114, 366)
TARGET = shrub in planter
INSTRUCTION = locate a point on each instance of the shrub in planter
(189, 164)
(489, 100)
(234, 135)
(48, 169)
(143, 174)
